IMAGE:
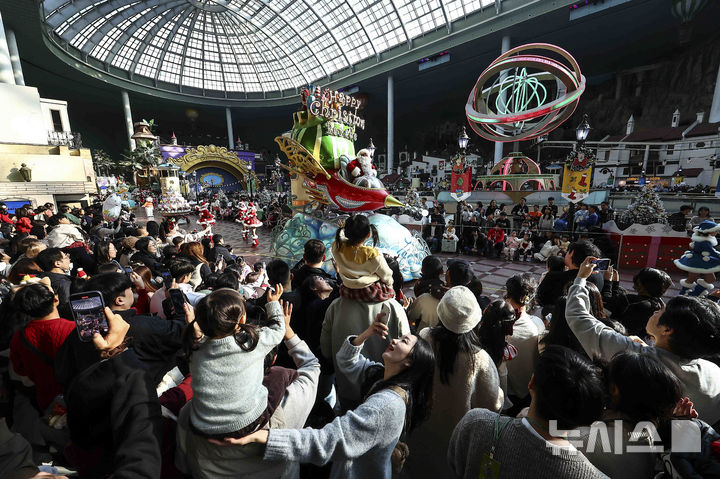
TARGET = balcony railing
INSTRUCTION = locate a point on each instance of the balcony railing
(70, 139)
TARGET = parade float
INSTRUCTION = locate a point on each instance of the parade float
(330, 181)
(517, 176)
(171, 203)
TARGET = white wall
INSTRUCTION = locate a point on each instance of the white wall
(22, 119)
(47, 105)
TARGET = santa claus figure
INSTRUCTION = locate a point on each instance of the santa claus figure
(242, 214)
(206, 219)
(252, 223)
(362, 172)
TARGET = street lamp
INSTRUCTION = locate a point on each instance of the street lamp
(371, 149)
(195, 180)
(582, 131)
(463, 140)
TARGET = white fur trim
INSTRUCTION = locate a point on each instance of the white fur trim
(706, 253)
(705, 284)
(690, 269)
(685, 284)
(699, 238)
(356, 171)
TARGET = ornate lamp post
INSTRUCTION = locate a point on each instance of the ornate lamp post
(582, 131)
(463, 140)
(371, 148)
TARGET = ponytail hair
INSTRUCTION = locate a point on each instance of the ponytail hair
(355, 230)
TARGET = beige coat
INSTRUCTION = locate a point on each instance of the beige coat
(359, 270)
(468, 388)
(423, 312)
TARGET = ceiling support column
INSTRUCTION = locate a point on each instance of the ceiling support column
(128, 119)
(6, 69)
(15, 58)
(715, 108)
(505, 46)
(228, 119)
(390, 124)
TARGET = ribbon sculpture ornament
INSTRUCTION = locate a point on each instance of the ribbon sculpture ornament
(510, 104)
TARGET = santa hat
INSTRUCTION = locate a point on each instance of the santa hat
(363, 152)
(203, 206)
(707, 227)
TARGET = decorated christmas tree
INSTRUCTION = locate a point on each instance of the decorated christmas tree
(646, 209)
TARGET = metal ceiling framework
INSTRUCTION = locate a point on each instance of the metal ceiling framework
(243, 46)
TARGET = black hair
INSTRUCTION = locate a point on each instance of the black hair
(180, 267)
(497, 323)
(314, 251)
(110, 285)
(555, 263)
(447, 345)
(597, 308)
(35, 300)
(47, 258)
(216, 238)
(648, 390)
(101, 252)
(356, 229)
(432, 267)
(278, 272)
(398, 280)
(112, 267)
(581, 250)
(258, 266)
(227, 280)
(559, 332)
(153, 229)
(686, 207)
(568, 388)
(695, 324)
(143, 243)
(654, 281)
(218, 315)
(705, 208)
(416, 380)
(54, 220)
(521, 288)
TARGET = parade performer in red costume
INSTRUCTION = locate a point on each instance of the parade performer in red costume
(242, 214)
(206, 219)
(252, 223)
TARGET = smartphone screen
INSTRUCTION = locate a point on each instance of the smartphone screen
(89, 312)
(167, 279)
(178, 300)
(128, 270)
(602, 264)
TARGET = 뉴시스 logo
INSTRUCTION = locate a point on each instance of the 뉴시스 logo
(685, 438)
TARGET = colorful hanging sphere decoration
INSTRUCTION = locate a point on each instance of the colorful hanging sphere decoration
(513, 99)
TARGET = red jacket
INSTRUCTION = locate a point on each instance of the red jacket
(23, 225)
(47, 336)
(496, 235)
(5, 218)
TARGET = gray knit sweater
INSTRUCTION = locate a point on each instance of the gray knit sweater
(228, 393)
(521, 453)
(700, 378)
(359, 443)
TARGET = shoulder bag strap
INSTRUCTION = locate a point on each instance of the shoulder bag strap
(43, 357)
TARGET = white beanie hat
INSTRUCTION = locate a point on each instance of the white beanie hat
(458, 310)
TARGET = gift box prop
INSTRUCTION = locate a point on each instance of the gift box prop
(654, 246)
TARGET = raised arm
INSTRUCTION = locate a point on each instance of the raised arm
(596, 339)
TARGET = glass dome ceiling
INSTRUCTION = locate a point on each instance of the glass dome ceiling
(245, 45)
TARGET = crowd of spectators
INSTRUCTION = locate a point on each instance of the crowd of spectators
(209, 367)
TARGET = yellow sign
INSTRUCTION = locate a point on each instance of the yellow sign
(576, 184)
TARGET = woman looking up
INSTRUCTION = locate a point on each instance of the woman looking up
(361, 442)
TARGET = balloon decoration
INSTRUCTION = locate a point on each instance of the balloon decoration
(513, 99)
(111, 207)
